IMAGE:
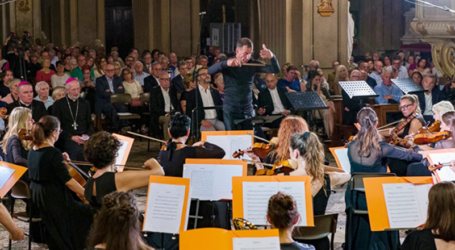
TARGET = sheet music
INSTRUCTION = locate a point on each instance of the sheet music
(446, 174)
(164, 208)
(342, 155)
(406, 204)
(442, 157)
(256, 197)
(121, 152)
(5, 174)
(256, 243)
(124, 113)
(231, 143)
(211, 182)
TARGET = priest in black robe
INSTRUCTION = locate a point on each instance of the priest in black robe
(25, 99)
(75, 121)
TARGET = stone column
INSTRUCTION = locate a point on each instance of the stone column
(74, 29)
(101, 22)
(36, 15)
(62, 22)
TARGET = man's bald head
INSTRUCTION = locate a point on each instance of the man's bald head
(270, 81)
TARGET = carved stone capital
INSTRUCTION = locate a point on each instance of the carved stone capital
(434, 29)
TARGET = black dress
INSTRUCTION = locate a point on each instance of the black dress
(173, 166)
(66, 220)
(105, 184)
(16, 154)
(420, 240)
(362, 236)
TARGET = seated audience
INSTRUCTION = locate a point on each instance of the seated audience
(206, 119)
(152, 80)
(422, 67)
(431, 96)
(364, 69)
(100, 63)
(42, 89)
(352, 106)
(13, 95)
(378, 69)
(283, 214)
(291, 81)
(273, 101)
(388, 92)
(163, 103)
(417, 77)
(449, 91)
(25, 99)
(341, 76)
(399, 71)
(57, 94)
(45, 73)
(88, 90)
(138, 74)
(59, 79)
(189, 86)
(177, 81)
(438, 232)
(6, 76)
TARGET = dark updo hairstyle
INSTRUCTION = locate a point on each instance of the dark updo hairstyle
(101, 149)
(179, 126)
(311, 75)
(282, 211)
(44, 128)
(117, 223)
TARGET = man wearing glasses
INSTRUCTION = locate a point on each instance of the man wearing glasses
(399, 71)
(153, 80)
(106, 86)
(77, 72)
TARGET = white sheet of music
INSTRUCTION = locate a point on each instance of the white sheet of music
(211, 182)
(445, 173)
(231, 143)
(342, 155)
(5, 174)
(256, 197)
(121, 152)
(164, 208)
(406, 204)
(256, 243)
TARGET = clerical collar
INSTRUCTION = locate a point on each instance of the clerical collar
(21, 103)
(75, 100)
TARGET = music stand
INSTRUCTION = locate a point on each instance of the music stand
(408, 86)
(357, 89)
(307, 101)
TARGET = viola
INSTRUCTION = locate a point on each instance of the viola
(421, 139)
(3, 112)
(25, 134)
(285, 166)
(259, 149)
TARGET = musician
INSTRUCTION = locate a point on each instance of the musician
(101, 150)
(283, 214)
(438, 230)
(116, 224)
(430, 97)
(280, 152)
(16, 150)
(75, 116)
(441, 108)
(173, 158)
(369, 153)
(66, 220)
(273, 101)
(25, 99)
(163, 102)
(238, 81)
(207, 119)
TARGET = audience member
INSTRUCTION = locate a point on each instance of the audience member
(138, 74)
(291, 80)
(388, 92)
(59, 79)
(152, 80)
(45, 73)
(273, 101)
(25, 99)
(340, 76)
(100, 63)
(42, 89)
(399, 71)
(430, 97)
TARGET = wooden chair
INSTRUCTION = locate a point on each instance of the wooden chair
(124, 99)
(323, 226)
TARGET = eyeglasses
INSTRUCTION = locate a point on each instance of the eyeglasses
(164, 79)
(355, 76)
(404, 107)
(109, 70)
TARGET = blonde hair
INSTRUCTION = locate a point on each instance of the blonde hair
(17, 120)
(414, 100)
(289, 126)
(336, 86)
(443, 107)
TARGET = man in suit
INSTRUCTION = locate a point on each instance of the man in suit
(177, 81)
(208, 119)
(147, 58)
(163, 102)
(25, 99)
(106, 86)
(430, 97)
(273, 101)
(152, 80)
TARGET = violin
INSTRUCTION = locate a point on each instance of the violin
(400, 126)
(435, 127)
(285, 166)
(3, 112)
(438, 166)
(259, 149)
(421, 139)
(76, 173)
(25, 134)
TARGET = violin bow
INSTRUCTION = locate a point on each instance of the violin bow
(257, 137)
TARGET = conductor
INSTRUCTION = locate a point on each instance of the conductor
(238, 81)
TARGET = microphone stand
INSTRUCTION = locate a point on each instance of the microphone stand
(195, 76)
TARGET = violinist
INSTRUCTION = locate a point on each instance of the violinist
(176, 152)
(306, 149)
(16, 149)
(289, 126)
(441, 108)
(447, 124)
(413, 119)
(369, 153)
(66, 220)
(101, 150)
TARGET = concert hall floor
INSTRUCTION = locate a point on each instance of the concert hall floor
(137, 157)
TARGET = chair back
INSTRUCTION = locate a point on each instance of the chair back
(121, 98)
(323, 226)
(21, 190)
(145, 97)
(357, 179)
